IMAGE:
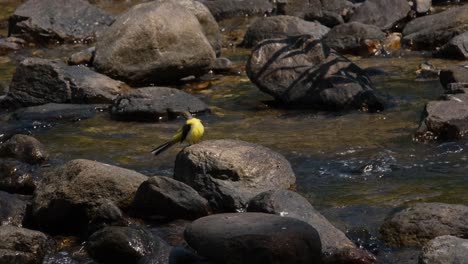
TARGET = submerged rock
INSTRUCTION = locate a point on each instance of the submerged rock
(153, 43)
(248, 238)
(58, 20)
(57, 112)
(336, 247)
(421, 222)
(383, 14)
(279, 27)
(155, 103)
(17, 177)
(228, 173)
(21, 245)
(12, 209)
(303, 72)
(24, 148)
(223, 9)
(456, 48)
(66, 200)
(445, 249)
(163, 197)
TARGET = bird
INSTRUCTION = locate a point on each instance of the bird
(191, 133)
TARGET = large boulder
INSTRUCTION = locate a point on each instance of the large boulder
(430, 32)
(351, 37)
(166, 198)
(13, 208)
(24, 148)
(230, 172)
(456, 48)
(417, 224)
(222, 9)
(445, 249)
(58, 20)
(155, 103)
(39, 81)
(21, 245)
(281, 26)
(153, 43)
(303, 72)
(17, 176)
(383, 14)
(250, 238)
(68, 196)
(336, 247)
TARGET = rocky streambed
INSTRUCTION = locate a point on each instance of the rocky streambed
(335, 131)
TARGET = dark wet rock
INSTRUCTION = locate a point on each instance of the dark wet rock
(430, 32)
(302, 72)
(279, 27)
(383, 14)
(336, 247)
(422, 6)
(445, 249)
(228, 173)
(63, 257)
(57, 112)
(20, 245)
(351, 37)
(445, 119)
(421, 222)
(124, 245)
(106, 214)
(456, 48)
(453, 74)
(24, 148)
(68, 196)
(12, 208)
(221, 64)
(300, 8)
(185, 255)
(17, 177)
(254, 238)
(334, 12)
(40, 81)
(222, 9)
(62, 20)
(84, 57)
(165, 34)
(166, 198)
(155, 103)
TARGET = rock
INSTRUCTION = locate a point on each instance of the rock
(453, 74)
(12, 209)
(456, 48)
(24, 148)
(40, 81)
(445, 119)
(57, 112)
(185, 255)
(17, 177)
(279, 27)
(302, 72)
(334, 12)
(350, 38)
(254, 238)
(106, 214)
(84, 57)
(308, 9)
(223, 9)
(221, 64)
(165, 34)
(230, 172)
(383, 14)
(445, 249)
(429, 32)
(20, 245)
(162, 197)
(421, 222)
(336, 247)
(124, 244)
(422, 6)
(68, 195)
(155, 103)
(7, 46)
(62, 20)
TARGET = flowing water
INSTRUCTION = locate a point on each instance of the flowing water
(354, 167)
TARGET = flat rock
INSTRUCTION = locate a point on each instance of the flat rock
(13, 208)
(57, 112)
(58, 20)
(302, 72)
(68, 196)
(421, 222)
(223, 9)
(18, 177)
(155, 103)
(383, 14)
(254, 238)
(445, 249)
(279, 27)
(456, 48)
(154, 43)
(21, 245)
(166, 198)
(228, 173)
(24, 148)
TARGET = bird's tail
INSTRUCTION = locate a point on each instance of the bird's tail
(163, 147)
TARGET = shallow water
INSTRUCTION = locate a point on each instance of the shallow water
(354, 167)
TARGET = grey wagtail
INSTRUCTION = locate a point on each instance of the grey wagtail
(191, 133)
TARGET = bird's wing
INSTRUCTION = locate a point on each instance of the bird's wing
(185, 130)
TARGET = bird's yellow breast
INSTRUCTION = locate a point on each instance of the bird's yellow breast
(196, 130)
